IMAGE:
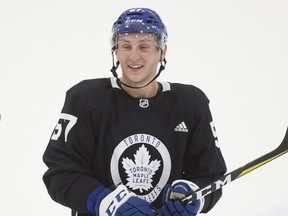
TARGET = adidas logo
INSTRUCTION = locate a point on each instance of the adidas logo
(181, 127)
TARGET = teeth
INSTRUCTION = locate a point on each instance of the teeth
(134, 67)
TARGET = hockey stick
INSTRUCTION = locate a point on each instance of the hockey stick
(237, 173)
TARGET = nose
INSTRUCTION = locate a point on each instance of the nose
(134, 54)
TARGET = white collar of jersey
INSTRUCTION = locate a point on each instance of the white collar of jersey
(165, 85)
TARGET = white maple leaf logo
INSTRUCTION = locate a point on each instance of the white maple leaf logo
(141, 170)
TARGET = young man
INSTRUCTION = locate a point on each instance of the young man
(123, 146)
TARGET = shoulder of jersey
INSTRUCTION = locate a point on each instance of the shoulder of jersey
(88, 93)
(188, 92)
(90, 86)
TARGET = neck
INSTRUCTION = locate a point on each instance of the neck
(145, 92)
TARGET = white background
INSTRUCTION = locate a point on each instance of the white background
(235, 51)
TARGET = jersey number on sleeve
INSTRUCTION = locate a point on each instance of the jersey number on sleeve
(66, 122)
(213, 128)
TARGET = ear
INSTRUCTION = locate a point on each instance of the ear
(164, 51)
(116, 54)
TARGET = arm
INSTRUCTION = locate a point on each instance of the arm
(204, 162)
(69, 179)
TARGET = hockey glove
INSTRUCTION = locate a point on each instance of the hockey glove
(172, 205)
(120, 202)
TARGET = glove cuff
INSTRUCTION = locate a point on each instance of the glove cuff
(94, 195)
(111, 202)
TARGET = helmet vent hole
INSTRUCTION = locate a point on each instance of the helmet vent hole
(135, 14)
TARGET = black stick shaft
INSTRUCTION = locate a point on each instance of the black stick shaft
(239, 172)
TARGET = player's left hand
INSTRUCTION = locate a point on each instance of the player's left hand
(172, 205)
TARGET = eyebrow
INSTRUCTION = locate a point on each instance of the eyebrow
(129, 41)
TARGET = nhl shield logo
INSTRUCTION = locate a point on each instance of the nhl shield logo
(144, 103)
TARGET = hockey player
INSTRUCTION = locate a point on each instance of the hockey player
(131, 145)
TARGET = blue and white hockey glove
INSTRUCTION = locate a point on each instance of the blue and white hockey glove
(119, 202)
(172, 195)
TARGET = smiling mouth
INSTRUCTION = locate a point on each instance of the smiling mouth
(135, 66)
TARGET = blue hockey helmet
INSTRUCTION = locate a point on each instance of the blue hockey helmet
(140, 20)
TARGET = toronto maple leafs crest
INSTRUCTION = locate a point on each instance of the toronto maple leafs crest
(142, 163)
(141, 170)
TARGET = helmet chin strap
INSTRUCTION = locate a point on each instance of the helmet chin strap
(114, 68)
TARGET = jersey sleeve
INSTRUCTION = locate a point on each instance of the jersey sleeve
(69, 154)
(204, 162)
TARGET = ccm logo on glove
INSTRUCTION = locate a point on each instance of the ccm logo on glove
(114, 200)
